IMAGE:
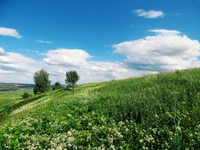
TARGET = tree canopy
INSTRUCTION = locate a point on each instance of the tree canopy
(42, 82)
(71, 78)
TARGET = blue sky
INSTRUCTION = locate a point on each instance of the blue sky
(100, 39)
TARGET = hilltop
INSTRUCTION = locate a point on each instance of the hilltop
(151, 112)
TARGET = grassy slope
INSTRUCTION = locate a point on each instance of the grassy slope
(8, 98)
(151, 112)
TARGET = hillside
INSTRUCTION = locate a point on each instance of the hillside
(152, 112)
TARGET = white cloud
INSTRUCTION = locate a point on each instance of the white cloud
(164, 31)
(32, 51)
(2, 52)
(166, 50)
(9, 32)
(15, 67)
(148, 14)
(62, 60)
(46, 42)
(70, 57)
(90, 72)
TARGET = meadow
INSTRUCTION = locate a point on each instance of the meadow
(10, 97)
(158, 111)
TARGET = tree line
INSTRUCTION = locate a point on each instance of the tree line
(43, 83)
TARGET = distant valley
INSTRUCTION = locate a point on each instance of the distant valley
(14, 86)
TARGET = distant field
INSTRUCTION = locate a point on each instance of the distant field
(14, 86)
(10, 97)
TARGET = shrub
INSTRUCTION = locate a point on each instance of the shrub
(57, 85)
(26, 95)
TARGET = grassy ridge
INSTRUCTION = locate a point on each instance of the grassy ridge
(151, 112)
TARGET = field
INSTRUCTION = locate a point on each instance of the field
(152, 112)
(10, 97)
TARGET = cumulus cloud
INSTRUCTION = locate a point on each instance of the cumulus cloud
(62, 60)
(149, 14)
(16, 62)
(166, 50)
(46, 42)
(66, 57)
(161, 51)
(9, 32)
(15, 67)
(2, 52)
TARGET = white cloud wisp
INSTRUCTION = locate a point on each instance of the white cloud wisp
(149, 14)
(45, 42)
(9, 32)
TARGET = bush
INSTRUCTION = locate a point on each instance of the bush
(26, 95)
(57, 85)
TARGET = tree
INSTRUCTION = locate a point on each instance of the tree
(42, 82)
(57, 85)
(71, 78)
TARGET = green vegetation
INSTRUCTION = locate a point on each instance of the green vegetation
(71, 78)
(9, 97)
(151, 112)
(57, 85)
(42, 82)
(26, 95)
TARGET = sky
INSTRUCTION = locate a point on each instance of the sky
(100, 39)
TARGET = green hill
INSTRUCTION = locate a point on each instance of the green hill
(152, 112)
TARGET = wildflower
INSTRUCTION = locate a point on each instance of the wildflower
(178, 128)
(69, 115)
(141, 140)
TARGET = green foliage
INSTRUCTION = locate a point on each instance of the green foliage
(26, 95)
(57, 85)
(42, 82)
(4, 113)
(71, 78)
(8, 98)
(151, 112)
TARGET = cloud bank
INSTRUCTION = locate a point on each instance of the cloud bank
(166, 50)
(15, 67)
(62, 60)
